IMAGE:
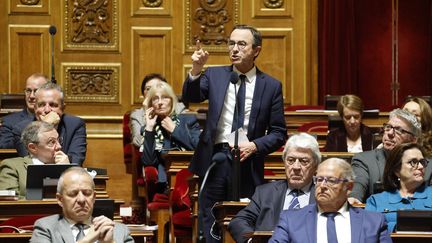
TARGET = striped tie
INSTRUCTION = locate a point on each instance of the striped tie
(80, 232)
(295, 204)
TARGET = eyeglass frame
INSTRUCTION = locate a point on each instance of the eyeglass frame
(52, 142)
(415, 162)
(303, 161)
(241, 45)
(396, 130)
(326, 179)
(29, 91)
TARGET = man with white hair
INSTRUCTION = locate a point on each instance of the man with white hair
(368, 166)
(332, 218)
(301, 157)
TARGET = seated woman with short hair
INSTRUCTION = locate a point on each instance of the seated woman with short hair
(166, 130)
(404, 185)
(354, 136)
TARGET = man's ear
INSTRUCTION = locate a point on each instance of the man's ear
(257, 51)
(59, 198)
(32, 148)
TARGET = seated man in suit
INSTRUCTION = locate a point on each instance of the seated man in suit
(332, 219)
(76, 195)
(301, 157)
(42, 142)
(49, 107)
(33, 83)
(368, 166)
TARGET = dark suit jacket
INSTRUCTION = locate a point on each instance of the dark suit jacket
(266, 123)
(369, 168)
(336, 139)
(55, 228)
(8, 122)
(71, 129)
(186, 135)
(301, 226)
(263, 211)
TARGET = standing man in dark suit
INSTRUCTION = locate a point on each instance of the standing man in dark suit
(264, 122)
(301, 157)
(49, 107)
(33, 83)
(332, 219)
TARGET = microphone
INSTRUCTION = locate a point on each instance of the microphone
(217, 158)
(234, 77)
(52, 30)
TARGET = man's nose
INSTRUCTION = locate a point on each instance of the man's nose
(80, 197)
(47, 108)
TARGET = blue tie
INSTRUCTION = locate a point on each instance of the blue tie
(241, 96)
(295, 204)
(331, 228)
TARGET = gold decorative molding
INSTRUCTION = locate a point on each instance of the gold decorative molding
(91, 25)
(29, 7)
(272, 8)
(91, 82)
(151, 8)
(211, 22)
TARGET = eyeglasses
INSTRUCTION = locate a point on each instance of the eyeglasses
(330, 181)
(349, 117)
(28, 91)
(303, 161)
(415, 162)
(50, 104)
(397, 130)
(240, 44)
(156, 99)
(53, 142)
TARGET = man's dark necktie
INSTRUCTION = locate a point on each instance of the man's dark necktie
(80, 232)
(331, 228)
(241, 96)
(295, 204)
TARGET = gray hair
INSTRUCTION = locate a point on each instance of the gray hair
(53, 86)
(31, 133)
(304, 141)
(347, 171)
(409, 118)
(77, 170)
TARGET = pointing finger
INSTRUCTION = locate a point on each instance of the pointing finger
(198, 45)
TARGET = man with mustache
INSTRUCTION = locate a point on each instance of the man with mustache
(33, 83)
(301, 157)
(76, 195)
(368, 167)
(332, 219)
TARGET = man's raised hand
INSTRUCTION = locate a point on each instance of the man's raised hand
(199, 59)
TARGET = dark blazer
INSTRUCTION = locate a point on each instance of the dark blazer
(336, 139)
(55, 228)
(266, 123)
(186, 135)
(263, 211)
(6, 128)
(301, 226)
(71, 129)
(369, 168)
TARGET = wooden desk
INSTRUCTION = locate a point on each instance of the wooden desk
(8, 153)
(140, 236)
(224, 212)
(10, 209)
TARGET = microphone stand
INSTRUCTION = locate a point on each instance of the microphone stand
(52, 31)
(235, 177)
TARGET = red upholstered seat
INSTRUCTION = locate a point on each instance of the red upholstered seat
(181, 214)
(127, 143)
(20, 223)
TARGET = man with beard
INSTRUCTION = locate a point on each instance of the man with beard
(332, 219)
(301, 157)
(76, 195)
(368, 167)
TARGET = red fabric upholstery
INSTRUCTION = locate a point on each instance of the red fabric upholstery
(318, 126)
(21, 222)
(160, 197)
(127, 139)
(268, 173)
(180, 198)
(157, 205)
(151, 174)
(182, 221)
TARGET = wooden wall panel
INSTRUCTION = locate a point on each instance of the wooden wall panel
(151, 52)
(28, 51)
(151, 7)
(29, 6)
(268, 8)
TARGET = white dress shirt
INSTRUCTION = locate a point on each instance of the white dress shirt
(36, 161)
(342, 224)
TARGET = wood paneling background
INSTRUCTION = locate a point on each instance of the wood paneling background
(103, 48)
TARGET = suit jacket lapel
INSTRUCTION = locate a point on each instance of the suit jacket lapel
(280, 194)
(311, 223)
(312, 194)
(256, 101)
(220, 97)
(65, 232)
(356, 220)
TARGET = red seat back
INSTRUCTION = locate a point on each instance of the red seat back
(20, 222)
(180, 194)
